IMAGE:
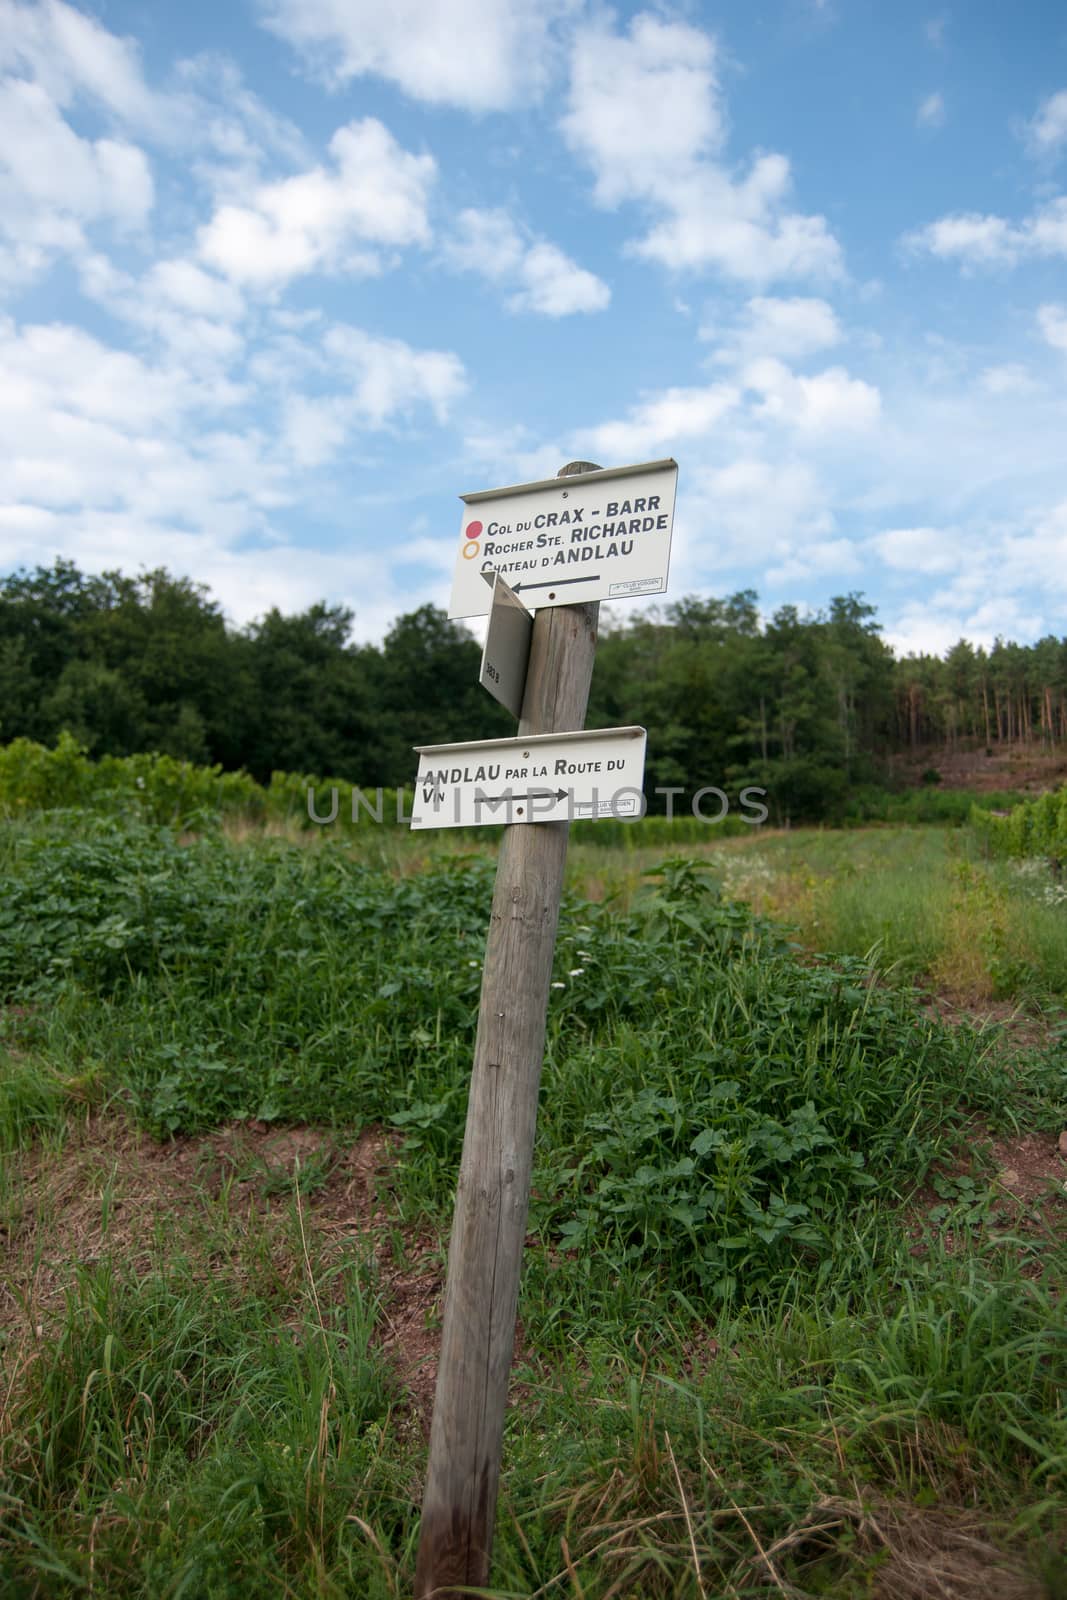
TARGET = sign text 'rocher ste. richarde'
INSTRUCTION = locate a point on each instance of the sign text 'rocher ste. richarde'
(602, 535)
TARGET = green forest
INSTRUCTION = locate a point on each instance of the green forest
(813, 708)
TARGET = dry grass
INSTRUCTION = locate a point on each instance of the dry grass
(912, 1553)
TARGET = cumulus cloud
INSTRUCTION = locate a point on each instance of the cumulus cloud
(975, 240)
(58, 186)
(542, 277)
(788, 328)
(480, 55)
(73, 56)
(1047, 132)
(118, 459)
(389, 377)
(645, 115)
(1052, 320)
(821, 558)
(920, 549)
(659, 421)
(176, 304)
(757, 509)
(824, 403)
(1007, 378)
(326, 220)
(54, 183)
(76, 61)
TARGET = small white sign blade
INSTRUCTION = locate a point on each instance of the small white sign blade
(506, 653)
(553, 777)
(563, 541)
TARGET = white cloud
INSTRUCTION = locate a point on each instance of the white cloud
(933, 628)
(644, 114)
(931, 112)
(752, 510)
(1048, 130)
(487, 242)
(658, 422)
(934, 30)
(176, 303)
(389, 377)
(247, 581)
(52, 180)
(556, 286)
(823, 404)
(75, 60)
(919, 631)
(543, 278)
(324, 221)
(1052, 320)
(644, 108)
(923, 549)
(790, 329)
(1010, 378)
(114, 460)
(57, 185)
(984, 241)
(480, 55)
(315, 430)
(71, 55)
(989, 241)
(91, 429)
(825, 558)
(190, 288)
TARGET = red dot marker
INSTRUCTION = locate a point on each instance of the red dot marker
(474, 530)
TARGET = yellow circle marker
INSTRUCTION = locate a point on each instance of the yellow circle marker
(470, 550)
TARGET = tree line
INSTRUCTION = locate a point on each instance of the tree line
(808, 707)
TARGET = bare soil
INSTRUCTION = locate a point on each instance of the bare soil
(1015, 766)
(114, 1192)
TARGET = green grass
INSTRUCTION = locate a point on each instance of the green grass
(923, 901)
(753, 1368)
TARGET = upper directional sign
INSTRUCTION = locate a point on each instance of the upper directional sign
(596, 536)
(551, 777)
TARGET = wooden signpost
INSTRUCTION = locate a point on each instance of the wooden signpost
(493, 1190)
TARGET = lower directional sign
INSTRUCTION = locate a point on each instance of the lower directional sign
(554, 777)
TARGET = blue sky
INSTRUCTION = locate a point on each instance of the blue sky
(280, 279)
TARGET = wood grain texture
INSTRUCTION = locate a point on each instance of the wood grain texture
(493, 1191)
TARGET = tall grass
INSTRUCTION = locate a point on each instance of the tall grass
(752, 1367)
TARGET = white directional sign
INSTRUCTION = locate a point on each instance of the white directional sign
(553, 777)
(594, 536)
(506, 653)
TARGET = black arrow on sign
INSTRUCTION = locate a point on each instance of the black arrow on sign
(556, 583)
(534, 794)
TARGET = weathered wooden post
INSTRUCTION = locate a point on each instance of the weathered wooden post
(612, 539)
(493, 1191)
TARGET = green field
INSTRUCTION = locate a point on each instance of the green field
(792, 1316)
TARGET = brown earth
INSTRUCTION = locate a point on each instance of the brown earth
(1017, 766)
(114, 1192)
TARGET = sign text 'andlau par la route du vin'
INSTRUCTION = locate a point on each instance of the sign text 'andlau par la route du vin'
(605, 535)
(552, 777)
